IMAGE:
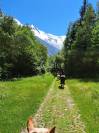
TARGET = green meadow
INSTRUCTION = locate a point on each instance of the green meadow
(19, 99)
(86, 96)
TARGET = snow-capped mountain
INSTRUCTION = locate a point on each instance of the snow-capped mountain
(18, 22)
(52, 42)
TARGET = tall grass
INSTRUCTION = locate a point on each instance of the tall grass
(86, 96)
(20, 99)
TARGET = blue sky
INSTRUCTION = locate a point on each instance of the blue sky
(52, 16)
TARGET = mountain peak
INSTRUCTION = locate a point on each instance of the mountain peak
(52, 42)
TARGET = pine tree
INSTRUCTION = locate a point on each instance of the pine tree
(89, 17)
(97, 11)
(83, 10)
(1, 13)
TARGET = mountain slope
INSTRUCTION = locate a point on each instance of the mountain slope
(53, 43)
(51, 50)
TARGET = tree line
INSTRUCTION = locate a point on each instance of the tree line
(20, 53)
(81, 46)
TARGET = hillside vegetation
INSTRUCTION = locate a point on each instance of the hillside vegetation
(20, 53)
(81, 51)
(80, 56)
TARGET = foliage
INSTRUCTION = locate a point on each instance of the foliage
(81, 44)
(83, 9)
(95, 36)
(20, 53)
(56, 63)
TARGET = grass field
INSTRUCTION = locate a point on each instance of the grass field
(20, 99)
(86, 96)
(58, 109)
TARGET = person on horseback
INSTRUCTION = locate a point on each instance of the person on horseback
(62, 79)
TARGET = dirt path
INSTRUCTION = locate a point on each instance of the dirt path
(58, 109)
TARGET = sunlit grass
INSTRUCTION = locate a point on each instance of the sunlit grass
(86, 96)
(20, 99)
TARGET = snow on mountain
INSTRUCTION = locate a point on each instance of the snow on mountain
(18, 22)
(52, 42)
